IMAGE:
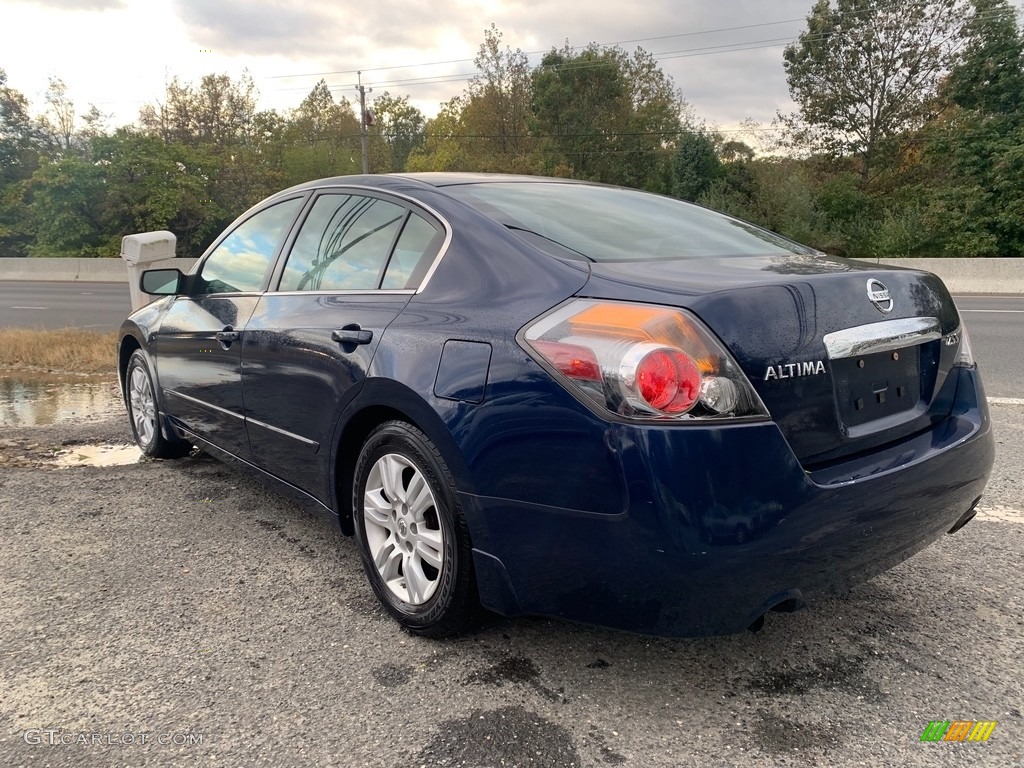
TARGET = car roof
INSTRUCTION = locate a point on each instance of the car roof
(432, 179)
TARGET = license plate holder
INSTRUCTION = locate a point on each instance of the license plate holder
(874, 386)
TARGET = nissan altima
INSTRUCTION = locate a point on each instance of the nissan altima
(548, 397)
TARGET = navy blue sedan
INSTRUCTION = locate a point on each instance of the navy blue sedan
(547, 397)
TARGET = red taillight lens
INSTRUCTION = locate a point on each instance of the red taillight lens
(574, 361)
(641, 361)
(668, 380)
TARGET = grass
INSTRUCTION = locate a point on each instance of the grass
(70, 350)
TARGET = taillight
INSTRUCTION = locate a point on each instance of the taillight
(642, 361)
(966, 354)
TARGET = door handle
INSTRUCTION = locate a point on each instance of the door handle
(352, 334)
(227, 337)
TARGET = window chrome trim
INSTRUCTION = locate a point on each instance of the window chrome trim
(882, 337)
(382, 193)
(345, 292)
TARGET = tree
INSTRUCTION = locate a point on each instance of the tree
(696, 165)
(218, 112)
(578, 103)
(972, 151)
(608, 116)
(497, 107)
(20, 138)
(988, 72)
(865, 70)
(319, 138)
(442, 148)
(21, 144)
(397, 130)
(59, 120)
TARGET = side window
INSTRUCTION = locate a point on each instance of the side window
(241, 260)
(343, 244)
(416, 248)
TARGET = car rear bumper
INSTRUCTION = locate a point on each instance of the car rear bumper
(723, 524)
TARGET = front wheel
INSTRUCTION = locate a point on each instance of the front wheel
(411, 532)
(144, 414)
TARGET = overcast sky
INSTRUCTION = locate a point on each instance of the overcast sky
(724, 55)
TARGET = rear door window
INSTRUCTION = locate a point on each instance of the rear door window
(344, 244)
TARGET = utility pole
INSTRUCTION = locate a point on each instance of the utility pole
(362, 121)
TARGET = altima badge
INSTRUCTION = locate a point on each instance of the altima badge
(793, 370)
(879, 295)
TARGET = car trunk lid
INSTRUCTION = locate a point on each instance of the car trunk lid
(845, 355)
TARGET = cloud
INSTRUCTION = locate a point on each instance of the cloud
(258, 27)
(694, 41)
(82, 5)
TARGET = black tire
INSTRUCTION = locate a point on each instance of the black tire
(144, 412)
(414, 542)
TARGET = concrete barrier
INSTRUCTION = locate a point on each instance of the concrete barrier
(77, 270)
(970, 275)
(960, 275)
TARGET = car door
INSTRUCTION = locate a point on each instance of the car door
(351, 268)
(198, 356)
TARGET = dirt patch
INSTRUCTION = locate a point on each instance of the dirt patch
(40, 446)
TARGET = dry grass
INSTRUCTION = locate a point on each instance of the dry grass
(70, 350)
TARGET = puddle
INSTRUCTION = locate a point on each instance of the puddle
(98, 456)
(41, 399)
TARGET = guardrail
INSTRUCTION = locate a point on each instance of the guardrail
(77, 270)
(960, 275)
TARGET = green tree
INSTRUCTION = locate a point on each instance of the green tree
(864, 71)
(496, 110)
(972, 150)
(443, 147)
(21, 144)
(696, 165)
(319, 138)
(218, 112)
(608, 116)
(988, 72)
(397, 130)
(69, 194)
(578, 104)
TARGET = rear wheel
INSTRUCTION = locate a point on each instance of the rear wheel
(411, 532)
(144, 414)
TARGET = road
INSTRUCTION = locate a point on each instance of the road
(178, 600)
(996, 323)
(98, 306)
(996, 327)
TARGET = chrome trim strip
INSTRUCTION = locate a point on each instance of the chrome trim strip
(203, 403)
(286, 433)
(348, 292)
(881, 337)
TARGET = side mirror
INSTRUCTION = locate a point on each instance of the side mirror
(161, 282)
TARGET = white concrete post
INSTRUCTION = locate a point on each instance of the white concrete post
(140, 251)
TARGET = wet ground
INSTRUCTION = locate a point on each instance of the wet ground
(34, 399)
(71, 404)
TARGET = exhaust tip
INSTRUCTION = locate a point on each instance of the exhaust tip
(966, 517)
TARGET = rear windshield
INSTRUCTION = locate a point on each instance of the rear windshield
(612, 224)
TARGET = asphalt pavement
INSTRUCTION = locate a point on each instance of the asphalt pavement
(177, 614)
(98, 306)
